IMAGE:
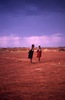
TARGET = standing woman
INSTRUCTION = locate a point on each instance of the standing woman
(39, 52)
(30, 53)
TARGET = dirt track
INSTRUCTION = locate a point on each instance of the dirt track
(21, 80)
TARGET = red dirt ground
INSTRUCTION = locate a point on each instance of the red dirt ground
(21, 80)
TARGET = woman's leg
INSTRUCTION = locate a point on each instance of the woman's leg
(31, 60)
(39, 59)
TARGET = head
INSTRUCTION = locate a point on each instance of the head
(32, 46)
(39, 47)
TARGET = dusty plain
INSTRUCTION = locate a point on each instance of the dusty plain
(22, 80)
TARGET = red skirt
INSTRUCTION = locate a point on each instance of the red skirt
(38, 53)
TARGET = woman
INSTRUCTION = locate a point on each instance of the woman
(39, 52)
(30, 53)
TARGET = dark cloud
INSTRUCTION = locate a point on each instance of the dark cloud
(32, 6)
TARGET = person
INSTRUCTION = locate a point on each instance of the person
(39, 52)
(30, 53)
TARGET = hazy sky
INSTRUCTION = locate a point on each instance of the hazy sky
(23, 22)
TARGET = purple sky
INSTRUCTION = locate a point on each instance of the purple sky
(23, 22)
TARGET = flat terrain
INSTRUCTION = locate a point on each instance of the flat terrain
(22, 80)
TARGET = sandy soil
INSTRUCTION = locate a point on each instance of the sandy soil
(21, 80)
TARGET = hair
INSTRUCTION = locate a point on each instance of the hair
(39, 46)
(32, 45)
